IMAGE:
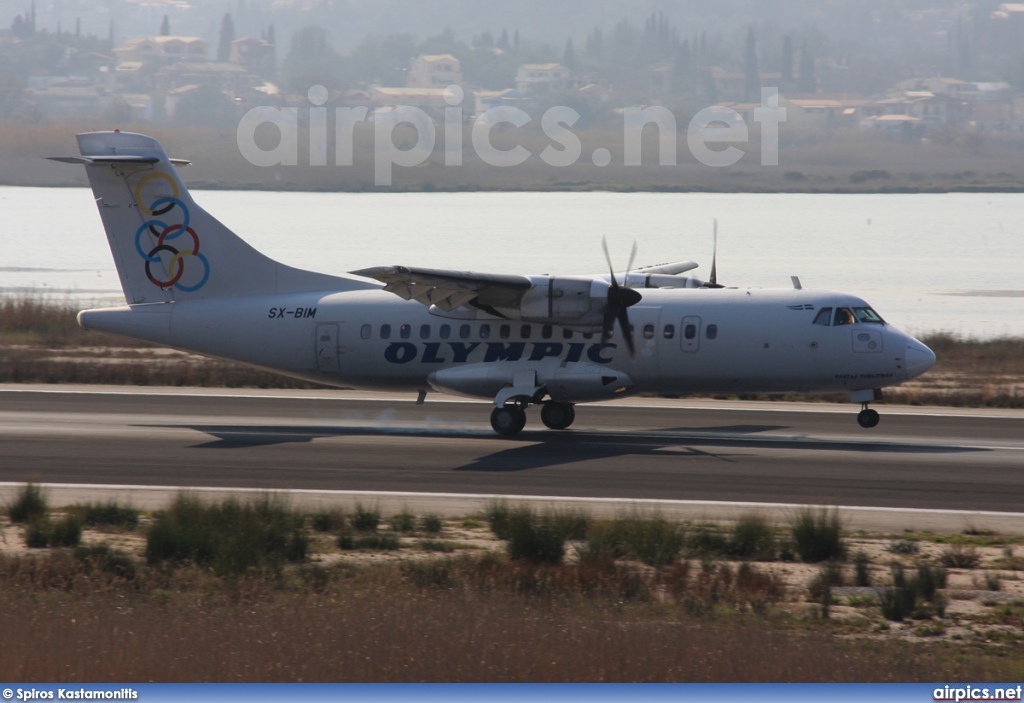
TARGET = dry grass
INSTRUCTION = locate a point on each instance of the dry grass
(371, 625)
(100, 613)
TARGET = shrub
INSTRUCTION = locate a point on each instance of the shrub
(37, 534)
(112, 561)
(817, 535)
(537, 539)
(752, 538)
(498, 519)
(66, 532)
(365, 519)
(898, 601)
(230, 537)
(861, 570)
(328, 520)
(905, 547)
(30, 505)
(958, 556)
(107, 515)
(431, 524)
(437, 545)
(403, 522)
(382, 542)
(706, 541)
(655, 541)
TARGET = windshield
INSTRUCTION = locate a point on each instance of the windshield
(868, 315)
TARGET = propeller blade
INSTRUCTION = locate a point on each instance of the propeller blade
(627, 330)
(608, 258)
(620, 298)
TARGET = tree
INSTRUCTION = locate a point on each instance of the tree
(165, 27)
(751, 69)
(569, 55)
(787, 60)
(311, 60)
(227, 35)
(808, 82)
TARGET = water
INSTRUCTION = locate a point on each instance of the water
(943, 262)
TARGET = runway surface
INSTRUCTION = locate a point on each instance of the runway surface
(637, 449)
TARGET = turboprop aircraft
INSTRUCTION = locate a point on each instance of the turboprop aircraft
(520, 341)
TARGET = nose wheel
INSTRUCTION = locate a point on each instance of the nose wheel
(867, 417)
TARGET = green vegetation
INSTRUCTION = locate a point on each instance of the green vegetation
(817, 535)
(958, 556)
(107, 515)
(230, 538)
(29, 506)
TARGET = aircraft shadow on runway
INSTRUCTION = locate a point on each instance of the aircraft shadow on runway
(543, 448)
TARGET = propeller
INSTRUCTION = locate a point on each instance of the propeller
(619, 300)
(713, 283)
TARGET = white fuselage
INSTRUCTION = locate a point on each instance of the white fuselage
(688, 341)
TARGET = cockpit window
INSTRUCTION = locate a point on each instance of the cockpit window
(844, 317)
(868, 315)
(824, 317)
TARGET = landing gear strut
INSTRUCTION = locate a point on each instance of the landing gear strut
(508, 420)
(557, 416)
(867, 417)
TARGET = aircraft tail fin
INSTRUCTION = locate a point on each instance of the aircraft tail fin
(165, 246)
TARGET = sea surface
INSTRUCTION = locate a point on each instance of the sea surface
(925, 262)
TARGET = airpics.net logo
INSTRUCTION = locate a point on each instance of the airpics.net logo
(717, 124)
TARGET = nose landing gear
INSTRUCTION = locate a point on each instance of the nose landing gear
(867, 417)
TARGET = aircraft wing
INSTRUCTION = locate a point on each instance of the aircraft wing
(450, 289)
(672, 269)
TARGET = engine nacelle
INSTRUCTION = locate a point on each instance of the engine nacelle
(569, 301)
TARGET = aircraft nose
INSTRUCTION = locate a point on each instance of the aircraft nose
(919, 358)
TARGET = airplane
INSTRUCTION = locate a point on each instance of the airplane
(518, 341)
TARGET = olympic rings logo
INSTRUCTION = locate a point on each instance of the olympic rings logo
(164, 233)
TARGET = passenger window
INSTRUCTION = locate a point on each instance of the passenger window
(424, 331)
(711, 332)
(648, 331)
(588, 335)
(464, 332)
(446, 331)
(690, 331)
(365, 331)
(524, 331)
(405, 331)
(545, 331)
(566, 334)
(670, 331)
(823, 317)
(844, 317)
(385, 331)
(505, 331)
(485, 331)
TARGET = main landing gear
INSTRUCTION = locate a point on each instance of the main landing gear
(511, 419)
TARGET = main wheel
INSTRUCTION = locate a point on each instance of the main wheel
(557, 416)
(867, 417)
(508, 421)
